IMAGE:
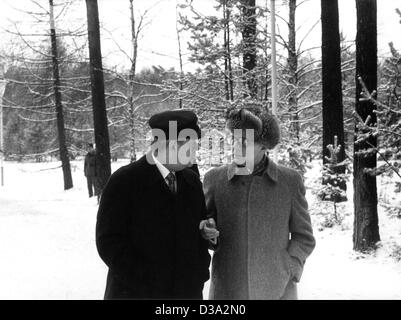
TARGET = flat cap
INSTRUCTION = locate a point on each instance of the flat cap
(175, 120)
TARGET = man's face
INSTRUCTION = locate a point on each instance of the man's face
(177, 155)
(245, 149)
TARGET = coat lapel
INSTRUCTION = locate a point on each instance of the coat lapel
(153, 177)
(155, 180)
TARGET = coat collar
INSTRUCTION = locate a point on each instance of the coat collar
(150, 171)
(270, 171)
(162, 169)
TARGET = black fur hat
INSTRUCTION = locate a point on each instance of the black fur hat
(266, 125)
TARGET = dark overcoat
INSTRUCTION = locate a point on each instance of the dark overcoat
(149, 237)
(265, 232)
(90, 164)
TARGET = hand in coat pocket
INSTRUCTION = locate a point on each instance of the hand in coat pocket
(296, 268)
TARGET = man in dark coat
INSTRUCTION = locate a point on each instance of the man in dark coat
(90, 170)
(147, 228)
(195, 169)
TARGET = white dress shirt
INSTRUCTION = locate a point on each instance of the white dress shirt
(162, 169)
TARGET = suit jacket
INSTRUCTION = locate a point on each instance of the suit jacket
(265, 232)
(149, 237)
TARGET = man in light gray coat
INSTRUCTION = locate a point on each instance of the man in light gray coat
(264, 228)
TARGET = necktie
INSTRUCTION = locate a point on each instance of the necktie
(171, 181)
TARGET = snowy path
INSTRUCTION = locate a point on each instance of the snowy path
(47, 243)
(47, 246)
(335, 271)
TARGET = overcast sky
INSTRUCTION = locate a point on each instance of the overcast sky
(158, 45)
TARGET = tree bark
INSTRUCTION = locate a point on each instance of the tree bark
(226, 79)
(366, 224)
(227, 53)
(180, 104)
(332, 105)
(249, 46)
(292, 71)
(98, 97)
(134, 41)
(65, 162)
(229, 58)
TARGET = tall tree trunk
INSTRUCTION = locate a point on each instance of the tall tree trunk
(65, 162)
(180, 59)
(265, 89)
(3, 84)
(292, 61)
(333, 121)
(98, 98)
(229, 86)
(229, 57)
(226, 78)
(134, 42)
(366, 224)
(249, 46)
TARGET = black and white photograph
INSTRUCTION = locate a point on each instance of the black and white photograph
(211, 152)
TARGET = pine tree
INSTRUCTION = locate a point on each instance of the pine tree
(65, 161)
(332, 104)
(366, 221)
(249, 34)
(333, 191)
(98, 96)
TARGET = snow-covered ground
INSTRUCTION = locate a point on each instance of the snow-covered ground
(47, 248)
(334, 270)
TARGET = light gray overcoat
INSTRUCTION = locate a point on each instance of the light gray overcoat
(265, 232)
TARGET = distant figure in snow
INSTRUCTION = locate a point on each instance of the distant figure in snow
(90, 170)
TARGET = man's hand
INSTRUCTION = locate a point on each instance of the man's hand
(208, 230)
